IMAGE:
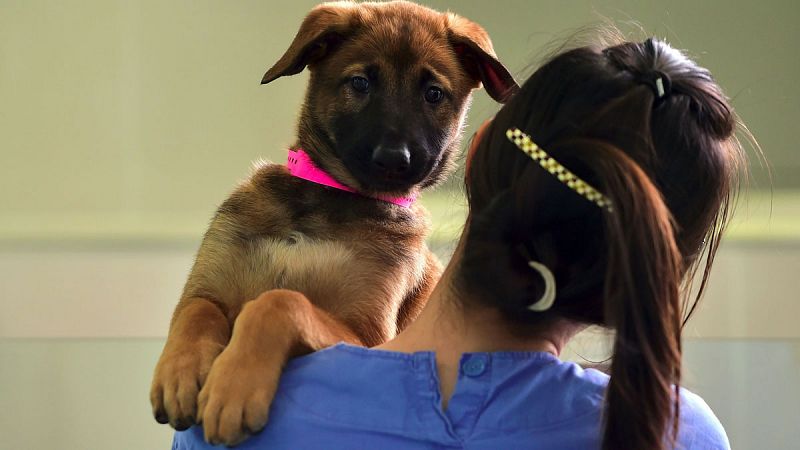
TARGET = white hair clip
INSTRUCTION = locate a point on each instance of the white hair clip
(549, 295)
(660, 87)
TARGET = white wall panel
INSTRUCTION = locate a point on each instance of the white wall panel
(90, 293)
(131, 291)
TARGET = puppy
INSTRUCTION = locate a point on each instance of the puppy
(389, 89)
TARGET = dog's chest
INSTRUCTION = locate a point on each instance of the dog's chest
(352, 280)
(299, 262)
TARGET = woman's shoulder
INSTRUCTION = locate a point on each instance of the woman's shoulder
(346, 362)
(344, 381)
(700, 428)
(578, 390)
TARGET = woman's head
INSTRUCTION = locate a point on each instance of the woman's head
(652, 132)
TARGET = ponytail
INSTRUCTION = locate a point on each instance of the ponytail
(642, 302)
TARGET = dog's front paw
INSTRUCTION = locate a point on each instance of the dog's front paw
(234, 402)
(178, 377)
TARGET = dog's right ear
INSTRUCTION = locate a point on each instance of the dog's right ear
(322, 29)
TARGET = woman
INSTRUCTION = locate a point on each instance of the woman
(600, 223)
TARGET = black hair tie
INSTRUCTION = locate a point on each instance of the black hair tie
(659, 82)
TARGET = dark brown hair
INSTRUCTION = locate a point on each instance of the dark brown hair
(669, 165)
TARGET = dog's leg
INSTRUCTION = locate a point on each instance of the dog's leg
(271, 329)
(198, 333)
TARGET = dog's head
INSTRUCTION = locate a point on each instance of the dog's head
(389, 90)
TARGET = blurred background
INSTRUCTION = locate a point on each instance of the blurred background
(123, 124)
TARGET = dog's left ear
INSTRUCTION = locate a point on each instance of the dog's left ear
(474, 48)
(322, 29)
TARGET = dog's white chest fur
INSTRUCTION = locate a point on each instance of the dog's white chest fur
(334, 275)
(299, 262)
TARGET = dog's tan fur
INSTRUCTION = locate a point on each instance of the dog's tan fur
(362, 265)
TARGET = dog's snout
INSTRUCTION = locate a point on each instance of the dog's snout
(392, 160)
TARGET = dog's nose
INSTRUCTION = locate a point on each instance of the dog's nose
(394, 160)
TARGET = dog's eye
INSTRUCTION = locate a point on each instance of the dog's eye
(360, 84)
(434, 95)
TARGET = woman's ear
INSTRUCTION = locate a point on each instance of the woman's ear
(322, 29)
(474, 48)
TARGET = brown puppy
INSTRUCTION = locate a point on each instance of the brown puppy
(389, 89)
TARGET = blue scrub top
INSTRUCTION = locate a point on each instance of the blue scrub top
(350, 398)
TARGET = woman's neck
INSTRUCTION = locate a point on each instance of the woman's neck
(451, 326)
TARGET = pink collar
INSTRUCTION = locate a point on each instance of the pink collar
(301, 166)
